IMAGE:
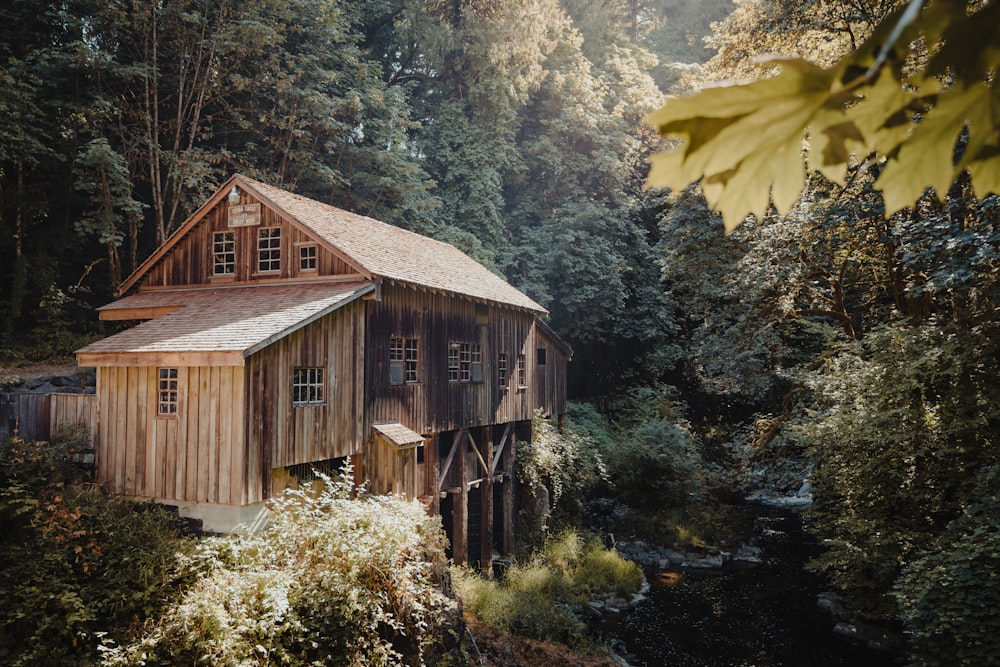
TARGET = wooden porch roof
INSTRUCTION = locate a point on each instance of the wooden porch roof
(213, 327)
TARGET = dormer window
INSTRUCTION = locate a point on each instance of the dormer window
(269, 249)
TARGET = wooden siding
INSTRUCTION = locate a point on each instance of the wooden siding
(281, 435)
(28, 413)
(190, 261)
(195, 455)
(72, 412)
(434, 404)
(390, 469)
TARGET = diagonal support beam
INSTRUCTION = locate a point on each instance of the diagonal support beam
(503, 443)
(455, 446)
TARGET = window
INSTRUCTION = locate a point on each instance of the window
(307, 258)
(224, 253)
(502, 368)
(465, 362)
(541, 356)
(403, 358)
(522, 371)
(167, 390)
(307, 386)
(269, 249)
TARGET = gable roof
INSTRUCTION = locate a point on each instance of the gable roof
(377, 249)
(223, 325)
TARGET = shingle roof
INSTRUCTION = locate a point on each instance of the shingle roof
(399, 435)
(227, 319)
(386, 251)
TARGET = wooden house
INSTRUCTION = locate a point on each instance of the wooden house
(272, 335)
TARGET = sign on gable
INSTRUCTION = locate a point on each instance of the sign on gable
(244, 215)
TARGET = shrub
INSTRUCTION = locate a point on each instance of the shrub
(332, 580)
(948, 598)
(534, 599)
(74, 565)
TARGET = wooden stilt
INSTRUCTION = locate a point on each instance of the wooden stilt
(486, 489)
(460, 506)
(507, 467)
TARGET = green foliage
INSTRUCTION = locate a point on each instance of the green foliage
(948, 598)
(77, 568)
(332, 580)
(566, 462)
(534, 599)
(747, 149)
(902, 424)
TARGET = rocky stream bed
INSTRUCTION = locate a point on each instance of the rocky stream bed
(754, 606)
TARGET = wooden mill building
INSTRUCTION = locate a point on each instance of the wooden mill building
(273, 334)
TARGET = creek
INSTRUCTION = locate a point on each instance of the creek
(740, 616)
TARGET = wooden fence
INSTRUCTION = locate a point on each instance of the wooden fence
(47, 416)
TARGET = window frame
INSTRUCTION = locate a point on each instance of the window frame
(167, 391)
(404, 360)
(227, 254)
(304, 258)
(522, 372)
(465, 362)
(502, 369)
(269, 249)
(308, 386)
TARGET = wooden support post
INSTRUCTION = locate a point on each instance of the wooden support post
(432, 455)
(460, 507)
(507, 467)
(486, 489)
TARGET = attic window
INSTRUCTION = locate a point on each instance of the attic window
(542, 353)
(307, 386)
(224, 253)
(269, 249)
(167, 392)
(465, 362)
(307, 258)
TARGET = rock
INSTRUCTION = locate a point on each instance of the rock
(712, 561)
(832, 605)
(636, 599)
(90, 390)
(44, 388)
(34, 383)
(63, 381)
(594, 608)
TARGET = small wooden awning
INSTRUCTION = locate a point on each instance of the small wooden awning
(399, 436)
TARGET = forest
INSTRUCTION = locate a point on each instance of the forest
(830, 340)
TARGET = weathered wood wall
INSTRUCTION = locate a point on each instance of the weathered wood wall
(282, 435)
(434, 404)
(72, 412)
(190, 261)
(29, 413)
(47, 416)
(195, 455)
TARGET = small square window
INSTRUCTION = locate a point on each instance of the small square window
(269, 249)
(166, 403)
(307, 258)
(224, 253)
(307, 386)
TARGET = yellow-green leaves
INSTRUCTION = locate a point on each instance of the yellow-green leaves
(747, 140)
(751, 144)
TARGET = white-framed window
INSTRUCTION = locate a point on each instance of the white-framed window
(307, 386)
(465, 362)
(166, 403)
(502, 368)
(522, 372)
(268, 249)
(224, 253)
(404, 360)
(307, 258)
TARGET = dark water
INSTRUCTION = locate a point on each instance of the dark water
(762, 616)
